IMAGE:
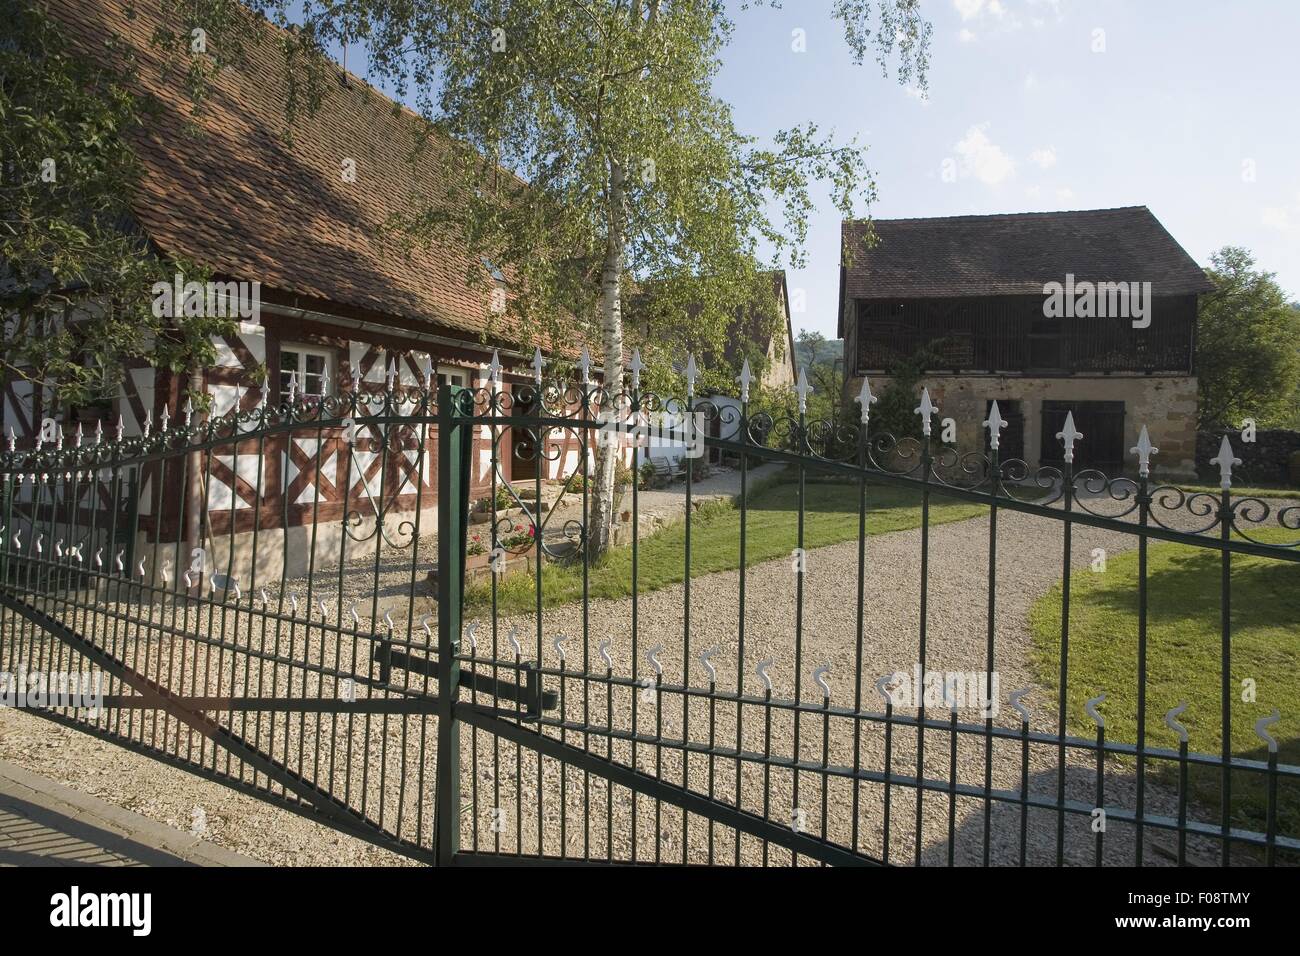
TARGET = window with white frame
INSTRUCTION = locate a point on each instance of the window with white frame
(310, 365)
(453, 375)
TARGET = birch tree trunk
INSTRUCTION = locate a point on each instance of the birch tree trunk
(611, 326)
(194, 492)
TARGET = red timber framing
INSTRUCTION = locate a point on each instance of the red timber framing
(308, 474)
(314, 474)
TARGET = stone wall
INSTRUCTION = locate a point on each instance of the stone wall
(1263, 461)
(1165, 404)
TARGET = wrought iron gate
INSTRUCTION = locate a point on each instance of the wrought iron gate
(264, 616)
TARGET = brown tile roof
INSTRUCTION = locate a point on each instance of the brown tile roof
(1016, 254)
(254, 205)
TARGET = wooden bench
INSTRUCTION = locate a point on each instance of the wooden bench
(664, 470)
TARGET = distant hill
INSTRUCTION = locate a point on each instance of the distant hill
(809, 351)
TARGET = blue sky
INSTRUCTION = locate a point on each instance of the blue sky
(1190, 110)
(1185, 106)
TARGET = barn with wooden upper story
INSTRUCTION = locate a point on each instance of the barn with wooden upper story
(1090, 312)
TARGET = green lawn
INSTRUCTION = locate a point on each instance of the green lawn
(1183, 661)
(831, 516)
(1245, 491)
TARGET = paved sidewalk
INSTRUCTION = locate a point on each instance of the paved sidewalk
(43, 823)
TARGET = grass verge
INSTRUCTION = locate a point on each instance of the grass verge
(830, 517)
(1184, 663)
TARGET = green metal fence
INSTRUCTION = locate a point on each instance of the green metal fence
(258, 626)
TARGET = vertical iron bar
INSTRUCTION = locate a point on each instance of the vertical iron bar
(1144, 514)
(1067, 492)
(1225, 625)
(453, 506)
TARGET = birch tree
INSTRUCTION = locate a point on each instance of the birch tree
(592, 155)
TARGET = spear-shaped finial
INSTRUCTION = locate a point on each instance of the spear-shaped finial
(995, 423)
(584, 364)
(189, 410)
(538, 365)
(293, 387)
(494, 369)
(356, 378)
(391, 376)
(120, 426)
(1225, 460)
(12, 439)
(803, 389)
(324, 382)
(76, 438)
(99, 432)
(164, 419)
(635, 367)
(1069, 435)
(866, 400)
(744, 378)
(927, 410)
(1144, 450)
(428, 373)
(691, 374)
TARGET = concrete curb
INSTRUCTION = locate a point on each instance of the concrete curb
(43, 823)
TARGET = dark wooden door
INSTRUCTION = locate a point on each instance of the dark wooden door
(523, 441)
(1102, 426)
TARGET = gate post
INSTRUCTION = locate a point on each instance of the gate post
(454, 452)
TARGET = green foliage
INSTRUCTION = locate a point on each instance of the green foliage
(825, 370)
(622, 474)
(75, 279)
(895, 412)
(1247, 351)
(813, 348)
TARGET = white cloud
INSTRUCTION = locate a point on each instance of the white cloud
(1031, 81)
(1282, 218)
(966, 36)
(1278, 217)
(985, 12)
(982, 159)
(916, 93)
(1033, 192)
(1065, 195)
(1044, 157)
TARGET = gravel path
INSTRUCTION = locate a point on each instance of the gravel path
(501, 785)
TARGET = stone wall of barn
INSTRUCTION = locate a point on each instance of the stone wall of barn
(1165, 404)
